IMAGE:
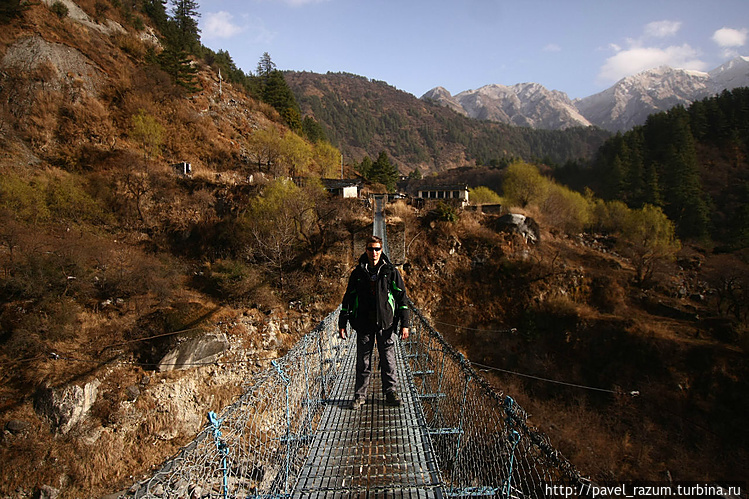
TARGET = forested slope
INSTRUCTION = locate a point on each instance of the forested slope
(693, 162)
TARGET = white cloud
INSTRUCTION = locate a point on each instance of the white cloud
(729, 37)
(299, 3)
(662, 29)
(641, 54)
(220, 25)
(552, 47)
(637, 59)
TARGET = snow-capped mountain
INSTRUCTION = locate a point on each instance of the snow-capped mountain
(626, 104)
(442, 96)
(632, 99)
(733, 74)
(524, 104)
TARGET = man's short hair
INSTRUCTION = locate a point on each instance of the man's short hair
(374, 239)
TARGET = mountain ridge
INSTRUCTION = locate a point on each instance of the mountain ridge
(625, 104)
(364, 117)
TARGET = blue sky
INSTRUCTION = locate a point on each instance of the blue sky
(580, 47)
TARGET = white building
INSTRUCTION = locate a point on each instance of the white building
(342, 188)
(445, 192)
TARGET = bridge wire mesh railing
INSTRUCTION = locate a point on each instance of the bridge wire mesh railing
(257, 446)
(481, 438)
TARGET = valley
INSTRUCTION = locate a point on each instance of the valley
(136, 296)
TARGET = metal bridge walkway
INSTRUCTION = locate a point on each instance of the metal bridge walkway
(381, 450)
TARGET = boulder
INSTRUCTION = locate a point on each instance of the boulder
(194, 351)
(132, 392)
(47, 492)
(17, 427)
(520, 224)
(65, 406)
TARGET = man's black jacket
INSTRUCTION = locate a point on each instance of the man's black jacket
(369, 307)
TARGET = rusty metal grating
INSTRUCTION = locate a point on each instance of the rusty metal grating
(378, 450)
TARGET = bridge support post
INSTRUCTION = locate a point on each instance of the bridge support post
(322, 365)
(462, 412)
(287, 438)
(514, 438)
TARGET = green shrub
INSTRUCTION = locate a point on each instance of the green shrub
(66, 199)
(446, 212)
(24, 200)
(524, 185)
(483, 195)
(566, 209)
(648, 238)
(60, 9)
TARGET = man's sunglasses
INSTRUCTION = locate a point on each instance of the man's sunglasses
(370, 248)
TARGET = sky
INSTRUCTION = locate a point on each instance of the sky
(579, 47)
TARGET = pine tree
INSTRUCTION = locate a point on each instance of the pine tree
(278, 94)
(178, 65)
(616, 179)
(265, 66)
(685, 201)
(652, 192)
(156, 11)
(365, 167)
(636, 176)
(384, 172)
(313, 130)
(185, 15)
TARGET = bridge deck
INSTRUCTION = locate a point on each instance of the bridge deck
(379, 450)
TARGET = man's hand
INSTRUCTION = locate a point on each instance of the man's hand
(404, 333)
(342, 333)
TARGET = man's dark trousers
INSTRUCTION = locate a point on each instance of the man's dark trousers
(365, 341)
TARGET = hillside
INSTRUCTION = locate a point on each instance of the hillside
(629, 382)
(364, 117)
(692, 162)
(113, 261)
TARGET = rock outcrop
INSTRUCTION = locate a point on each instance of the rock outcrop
(520, 224)
(195, 351)
(66, 406)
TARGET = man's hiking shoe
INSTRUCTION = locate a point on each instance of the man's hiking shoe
(357, 403)
(391, 398)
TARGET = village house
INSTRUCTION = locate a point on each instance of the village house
(457, 194)
(343, 188)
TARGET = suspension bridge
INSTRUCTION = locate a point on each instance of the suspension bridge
(292, 434)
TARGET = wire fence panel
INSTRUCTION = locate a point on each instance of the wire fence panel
(256, 447)
(483, 444)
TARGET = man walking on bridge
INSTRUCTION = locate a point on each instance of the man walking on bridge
(374, 303)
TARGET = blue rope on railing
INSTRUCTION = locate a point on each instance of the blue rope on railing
(223, 450)
(288, 437)
(507, 487)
